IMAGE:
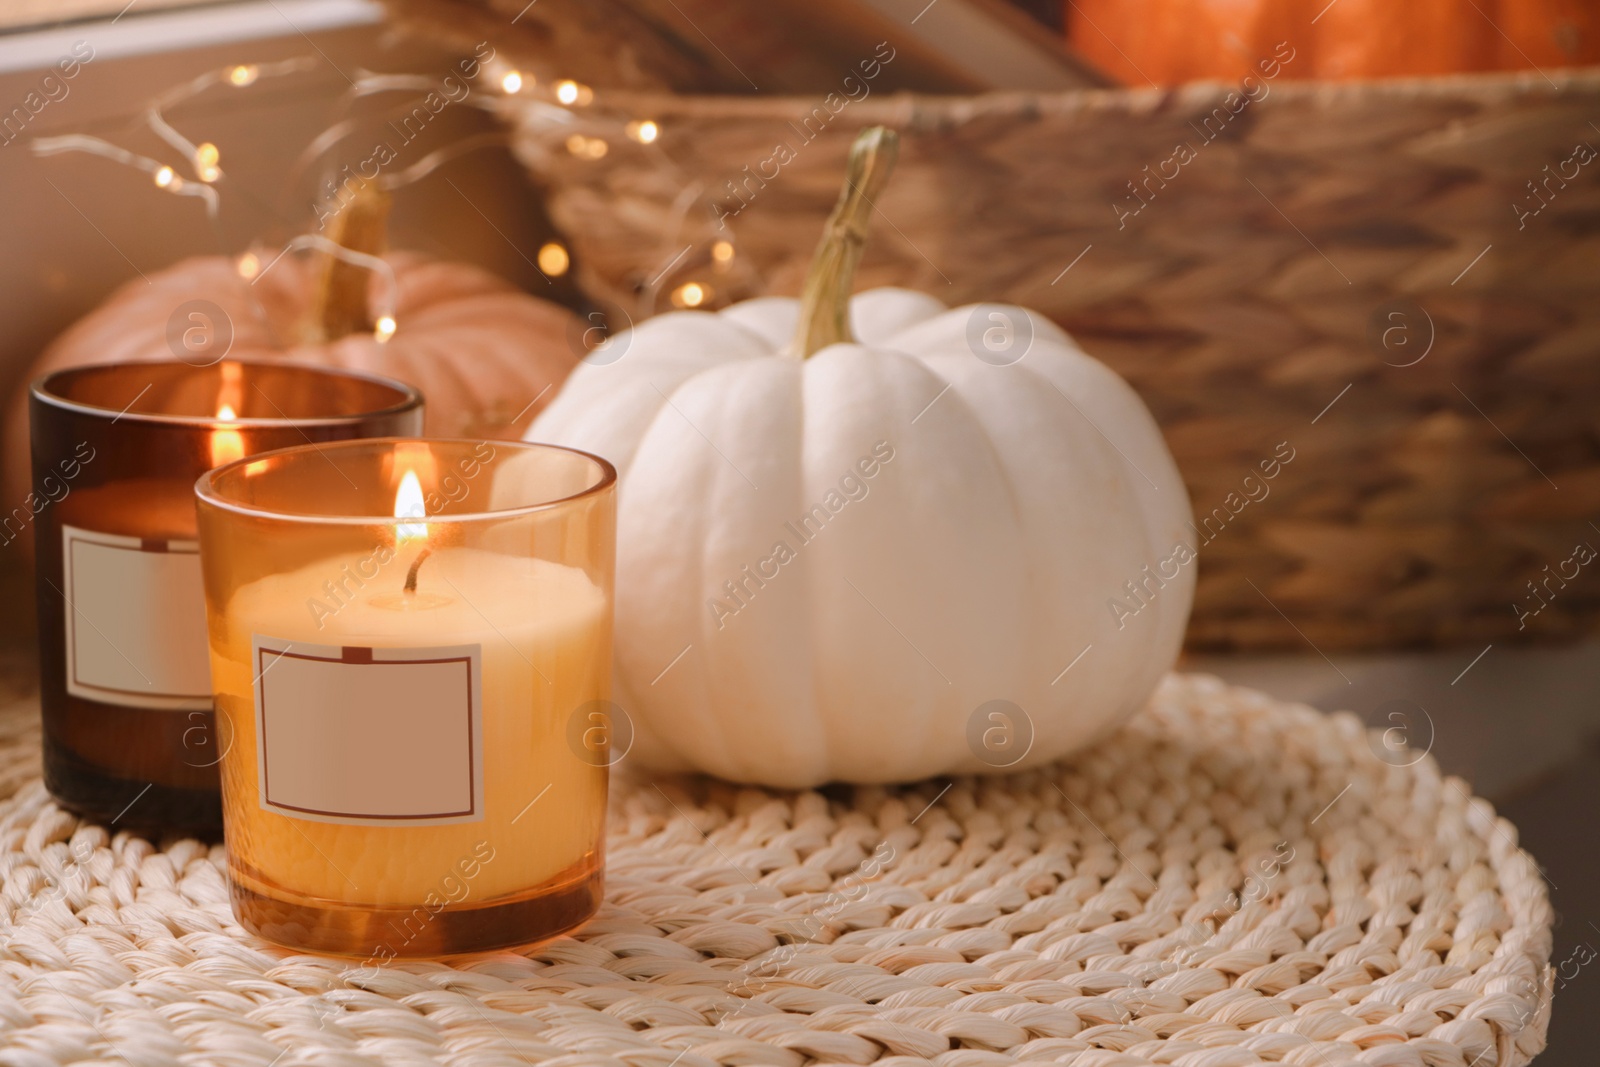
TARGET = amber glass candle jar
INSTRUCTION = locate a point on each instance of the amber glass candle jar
(402, 634)
(129, 736)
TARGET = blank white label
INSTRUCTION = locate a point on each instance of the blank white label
(136, 621)
(370, 736)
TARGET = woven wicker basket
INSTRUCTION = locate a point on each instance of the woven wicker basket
(1357, 246)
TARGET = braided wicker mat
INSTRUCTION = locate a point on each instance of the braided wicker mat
(1226, 881)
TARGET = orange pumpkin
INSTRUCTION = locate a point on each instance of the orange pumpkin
(1167, 42)
(486, 356)
(1380, 38)
(1548, 33)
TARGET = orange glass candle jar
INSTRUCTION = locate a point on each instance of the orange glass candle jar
(402, 633)
(126, 697)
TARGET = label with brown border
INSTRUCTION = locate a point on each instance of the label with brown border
(135, 621)
(369, 736)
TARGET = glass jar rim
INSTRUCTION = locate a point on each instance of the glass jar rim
(42, 389)
(206, 489)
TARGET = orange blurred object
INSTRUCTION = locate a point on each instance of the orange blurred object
(1167, 42)
(1548, 33)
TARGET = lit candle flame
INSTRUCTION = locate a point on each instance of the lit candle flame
(408, 504)
(226, 445)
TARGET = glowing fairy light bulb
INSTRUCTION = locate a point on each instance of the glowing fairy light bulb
(554, 259)
(205, 162)
(722, 251)
(644, 132)
(570, 92)
(587, 147)
(248, 265)
(164, 178)
(244, 74)
(691, 295)
(383, 329)
(512, 82)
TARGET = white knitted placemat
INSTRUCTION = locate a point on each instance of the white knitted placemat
(1226, 881)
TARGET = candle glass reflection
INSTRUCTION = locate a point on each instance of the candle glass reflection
(408, 640)
(129, 736)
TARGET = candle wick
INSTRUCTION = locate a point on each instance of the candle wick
(411, 575)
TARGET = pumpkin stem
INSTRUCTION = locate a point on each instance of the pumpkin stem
(339, 305)
(825, 299)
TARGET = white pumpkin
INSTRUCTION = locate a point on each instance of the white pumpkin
(1005, 508)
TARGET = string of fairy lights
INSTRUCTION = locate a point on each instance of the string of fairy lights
(549, 118)
(558, 114)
